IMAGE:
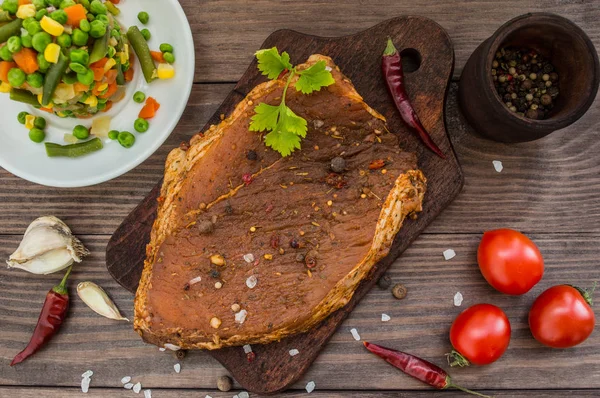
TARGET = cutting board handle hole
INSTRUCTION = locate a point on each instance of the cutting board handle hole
(411, 60)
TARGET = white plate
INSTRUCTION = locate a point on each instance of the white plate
(28, 160)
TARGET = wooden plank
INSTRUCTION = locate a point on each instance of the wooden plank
(165, 393)
(227, 32)
(547, 185)
(419, 324)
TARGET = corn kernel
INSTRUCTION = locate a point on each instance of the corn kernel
(102, 87)
(49, 106)
(166, 71)
(52, 53)
(92, 101)
(26, 11)
(29, 119)
(109, 64)
(4, 87)
(124, 58)
(51, 26)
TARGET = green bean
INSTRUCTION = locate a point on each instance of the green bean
(112, 8)
(4, 16)
(140, 46)
(10, 29)
(53, 78)
(120, 74)
(24, 96)
(74, 150)
(100, 48)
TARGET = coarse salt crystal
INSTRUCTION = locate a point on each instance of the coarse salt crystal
(172, 347)
(177, 368)
(147, 393)
(248, 257)
(251, 281)
(355, 334)
(247, 348)
(162, 349)
(449, 254)
(244, 394)
(128, 386)
(385, 317)
(294, 352)
(498, 166)
(85, 384)
(137, 388)
(240, 317)
(88, 373)
(458, 299)
(208, 396)
(197, 279)
(125, 379)
(310, 387)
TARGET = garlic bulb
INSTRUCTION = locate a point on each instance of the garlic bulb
(96, 298)
(48, 246)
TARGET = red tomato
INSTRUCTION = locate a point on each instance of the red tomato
(561, 317)
(510, 261)
(481, 333)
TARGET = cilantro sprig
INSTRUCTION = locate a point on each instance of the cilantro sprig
(286, 129)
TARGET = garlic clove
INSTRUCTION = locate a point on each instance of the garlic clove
(47, 263)
(38, 241)
(96, 298)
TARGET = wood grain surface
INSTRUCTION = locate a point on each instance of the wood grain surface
(273, 370)
(549, 188)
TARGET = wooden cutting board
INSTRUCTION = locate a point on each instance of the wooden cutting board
(424, 44)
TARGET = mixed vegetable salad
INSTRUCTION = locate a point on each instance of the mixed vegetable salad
(72, 58)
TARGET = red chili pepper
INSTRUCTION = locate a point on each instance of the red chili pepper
(51, 318)
(418, 368)
(394, 77)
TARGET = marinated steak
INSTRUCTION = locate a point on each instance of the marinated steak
(249, 247)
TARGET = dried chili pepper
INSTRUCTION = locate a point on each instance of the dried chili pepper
(418, 368)
(394, 77)
(51, 318)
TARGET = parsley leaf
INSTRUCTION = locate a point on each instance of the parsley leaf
(266, 118)
(271, 64)
(284, 142)
(314, 78)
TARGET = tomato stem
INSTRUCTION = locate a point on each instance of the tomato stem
(587, 293)
(455, 358)
(451, 385)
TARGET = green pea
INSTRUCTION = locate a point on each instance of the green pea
(14, 44)
(54, 3)
(80, 38)
(169, 57)
(115, 33)
(40, 41)
(139, 97)
(44, 65)
(91, 17)
(70, 78)
(166, 48)
(37, 135)
(144, 17)
(64, 40)
(111, 52)
(103, 18)
(59, 16)
(41, 14)
(66, 3)
(26, 41)
(126, 139)
(80, 56)
(81, 132)
(141, 125)
(84, 25)
(146, 33)
(10, 6)
(96, 7)
(97, 29)
(84, 3)
(22, 117)
(33, 28)
(39, 4)
(35, 80)
(5, 54)
(86, 78)
(113, 135)
(16, 77)
(39, 123)
(78, 68)
(101, 106)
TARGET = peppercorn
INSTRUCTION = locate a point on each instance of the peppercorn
(214, 273)
(338, 164)
(251, 155)
(205, 227)
(180, 354)
(399, 291)
(553, 77)
(311, 259)
(224, 383)
(228, 209)
(532, 114)
(546, 99)
(384, 282)
(294, 244)
(300, 258)
(527, 84)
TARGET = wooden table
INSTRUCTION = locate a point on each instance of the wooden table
(548, 189)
